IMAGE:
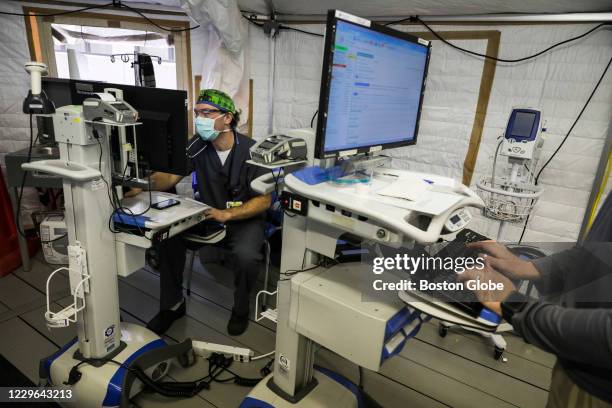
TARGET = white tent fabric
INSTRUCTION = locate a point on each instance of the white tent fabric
(14, 84)
(558, 83)
(393, 8)
(221, 44)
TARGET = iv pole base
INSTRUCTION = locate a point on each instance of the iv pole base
(330, 387)
(102, 386)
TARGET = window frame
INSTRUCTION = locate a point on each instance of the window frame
(40, 39)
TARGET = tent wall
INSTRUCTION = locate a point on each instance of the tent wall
(289, 69)
(558, 83)
(14, 81)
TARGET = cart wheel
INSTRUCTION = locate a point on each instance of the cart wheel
(442, 330)
(499, 352)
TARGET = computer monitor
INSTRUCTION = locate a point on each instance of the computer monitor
(162, 137)
(372, 87)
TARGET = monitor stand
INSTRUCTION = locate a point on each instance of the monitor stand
(358, 169)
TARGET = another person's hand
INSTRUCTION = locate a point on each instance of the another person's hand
(491, 299)
(500, 258)
(132, 192)
(492, 248)
(221, 216)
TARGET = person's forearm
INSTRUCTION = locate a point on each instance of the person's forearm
(582, 335)
(164, 181)
(251, 208)
(555, 268)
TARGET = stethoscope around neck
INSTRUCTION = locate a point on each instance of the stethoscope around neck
(205, 146)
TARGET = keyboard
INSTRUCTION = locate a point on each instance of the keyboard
(463, 299)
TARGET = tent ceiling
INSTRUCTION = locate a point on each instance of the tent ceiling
(391, 8)
(395, 8)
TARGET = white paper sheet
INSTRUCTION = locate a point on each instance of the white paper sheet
(430, 202)
(407, 187)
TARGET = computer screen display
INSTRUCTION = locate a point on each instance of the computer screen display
(372, 88)
(523, 123)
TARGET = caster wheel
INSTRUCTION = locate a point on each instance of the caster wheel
(499, 352)
(442, 330)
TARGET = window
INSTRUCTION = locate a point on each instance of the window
(92, 35)
(107, 54)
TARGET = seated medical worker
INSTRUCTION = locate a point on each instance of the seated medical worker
(572, 319)
(218, 155)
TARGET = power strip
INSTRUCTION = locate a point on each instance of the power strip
(204, 349)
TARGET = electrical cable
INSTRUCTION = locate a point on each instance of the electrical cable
(113, 198)
(169, 388)
(417, 19)
(123, 180)
(61, 13)
(118, 208)
(236, 378)
(250, 20)
(110, 192)
(218, 364)
(267, 369)
(313, 117)
(586, 104)
(263, 356)
(495, 162)
(276, 190)
(23, 180)
(537, 54)
(20, 196)
(575, 122)
(284, 27)
(293, 272)
(276, 179)
(171, 30)
(101, 6)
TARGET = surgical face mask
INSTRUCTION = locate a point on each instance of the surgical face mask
(205, 127)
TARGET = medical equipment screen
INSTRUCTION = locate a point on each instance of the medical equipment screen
(523, 123)
(374, 91)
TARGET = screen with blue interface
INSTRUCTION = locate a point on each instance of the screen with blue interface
(375, 89)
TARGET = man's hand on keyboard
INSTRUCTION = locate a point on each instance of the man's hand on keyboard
(492, 248)
(501, 259)
(491, 299)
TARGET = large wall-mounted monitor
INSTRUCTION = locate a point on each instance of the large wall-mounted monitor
(372, 87)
